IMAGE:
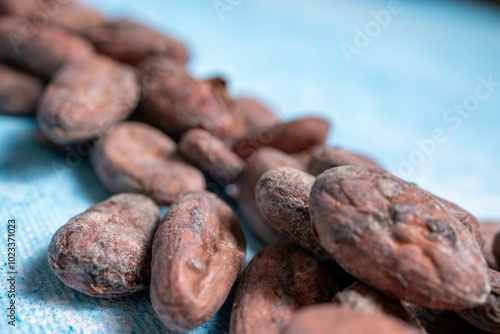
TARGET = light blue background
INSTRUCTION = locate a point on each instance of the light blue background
(392, 94)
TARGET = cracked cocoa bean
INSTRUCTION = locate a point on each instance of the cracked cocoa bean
(135, 157)
(259, 163)
(323, 158)
(198, 252)
(175, 102)
(131, 42)
(19, 92)
(106, 250)
(362, 297)
(282, 195)
(291, 137)
(42, 50)
(367, 218)
(320, 319)
(487, 316)
(86, 98)
(280, 280)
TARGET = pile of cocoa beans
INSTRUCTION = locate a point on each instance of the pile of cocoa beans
(351, 248)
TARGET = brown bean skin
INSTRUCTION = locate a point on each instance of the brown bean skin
(136, 157)
(86, 98)
(362, 297)
(251, 116)
(18, 7)
(198, 252)
(262, 161)
(323, 158)
(367, 218)
(489, 230)
(212, 155)
(469, 221)
(487, 316)
(321, 319)
(280, 280)
(131, 42)
(175, 102)
(19, 92)
(106, 250)
(291, 137)
(42, 50)
(73, 15)
(283, 198)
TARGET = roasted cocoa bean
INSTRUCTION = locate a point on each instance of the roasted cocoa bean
(251, 116)
(291, 137)
(212, 155)
(86, 98)
(282, 195)
(131, 42)
(279, 280)
(367, 218)
(198, 252)
(136, 157)
(106, 250)
(19, 92)
(175, 102)
(42, 50)
(320, 319)
(323, 158)
(259, 163)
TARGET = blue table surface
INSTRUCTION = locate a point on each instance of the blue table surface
(386, 98)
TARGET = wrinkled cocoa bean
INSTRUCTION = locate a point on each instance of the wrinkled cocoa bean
(42, 50)
(175, 102)
(361, 297)
(367, 218)
(198, 252)
(489, 230)
(323, 158)
(258, 164)
(279, 280)
(320, 319)
(106, 250)
(131, 43)
(487, 316)
(86, 98)
(282, 195)
(136, 157)
(19, 92)
(291, 137)
(210, 154)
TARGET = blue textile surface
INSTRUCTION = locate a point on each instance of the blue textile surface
(394, 94)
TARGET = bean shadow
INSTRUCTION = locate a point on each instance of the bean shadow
(134, 313)
(26, 158)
